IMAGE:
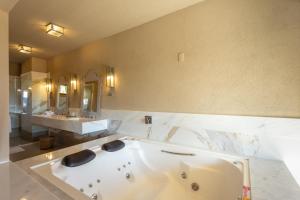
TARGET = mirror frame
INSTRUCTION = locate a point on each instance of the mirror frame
(91, 76)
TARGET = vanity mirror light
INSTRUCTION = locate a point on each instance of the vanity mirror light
(49, 88)
(90, 101)
(62, 95)
(110, 80)
(74, 82)
(49, 85)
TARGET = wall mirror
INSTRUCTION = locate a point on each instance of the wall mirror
(62, 95)
(91, 92)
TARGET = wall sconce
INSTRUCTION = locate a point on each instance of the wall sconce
(24, 49)
(110, 80)
(74, 82)
(49, 85)
(110, 77)
(54, 30)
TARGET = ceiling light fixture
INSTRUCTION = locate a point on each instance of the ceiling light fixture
(54, 30)
(24, 49)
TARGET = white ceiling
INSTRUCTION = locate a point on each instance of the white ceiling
(84, 21)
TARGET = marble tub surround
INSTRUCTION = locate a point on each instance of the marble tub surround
(26, 164)
(270, 180)
(15, 184)
(261, 137)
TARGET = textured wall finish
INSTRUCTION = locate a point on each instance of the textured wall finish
(4, 81)
(241, 58)
(34, 64)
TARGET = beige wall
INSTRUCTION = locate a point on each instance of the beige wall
(241, 58)
(14, 69)
(34, 64)
(4, 80)
(39, 65)
(26, 66)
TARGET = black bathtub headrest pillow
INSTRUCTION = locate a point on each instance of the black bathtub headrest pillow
(113, 146)
(79, 158)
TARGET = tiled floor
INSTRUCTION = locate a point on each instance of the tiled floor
(23, 147)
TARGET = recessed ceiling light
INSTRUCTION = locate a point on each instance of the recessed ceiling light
(54, 30)
(24, 49)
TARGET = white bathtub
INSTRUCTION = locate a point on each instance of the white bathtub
(145, 170)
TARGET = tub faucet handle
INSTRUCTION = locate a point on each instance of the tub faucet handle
(148, 119)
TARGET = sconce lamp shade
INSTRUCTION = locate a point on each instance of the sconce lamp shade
(74, 82)
(49, 85)
(110, 77)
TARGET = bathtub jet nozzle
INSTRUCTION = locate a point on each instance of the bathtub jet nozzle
(183, 175)
(195, 186)
(128, 175)
(94, 196)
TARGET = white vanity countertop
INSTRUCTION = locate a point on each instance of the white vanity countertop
(15, 112)
(270, 180)
(73, 124)
(63, 118)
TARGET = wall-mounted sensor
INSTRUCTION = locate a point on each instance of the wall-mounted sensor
(148, 119)
(180, 57)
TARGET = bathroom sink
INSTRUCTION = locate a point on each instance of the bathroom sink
(73, 124)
